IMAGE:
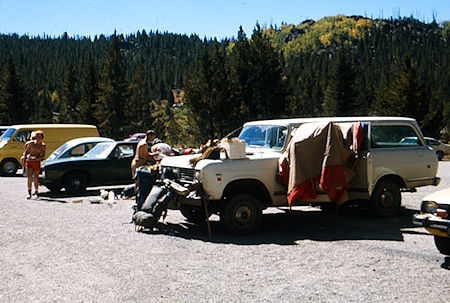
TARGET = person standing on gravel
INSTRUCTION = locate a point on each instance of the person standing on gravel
(142, 156)
(33, 154)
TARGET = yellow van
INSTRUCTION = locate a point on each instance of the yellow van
(12, 141)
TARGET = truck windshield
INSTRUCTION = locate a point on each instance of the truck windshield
(264, 136)
(7, 134)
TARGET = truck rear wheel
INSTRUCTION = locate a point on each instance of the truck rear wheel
(242, 214)
(386, 199)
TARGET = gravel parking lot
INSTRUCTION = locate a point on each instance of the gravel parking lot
(65, 249)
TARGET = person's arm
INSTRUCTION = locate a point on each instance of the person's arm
(25, 152)
(42, 154)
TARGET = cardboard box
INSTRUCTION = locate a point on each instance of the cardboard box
(235, 149)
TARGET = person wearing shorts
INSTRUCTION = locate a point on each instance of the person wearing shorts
(33, 154)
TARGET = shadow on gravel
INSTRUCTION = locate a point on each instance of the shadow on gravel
(64, 194)
(17, 175)
(51, 200)
(285, 228)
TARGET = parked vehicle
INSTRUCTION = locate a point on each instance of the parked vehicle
(75, 148)
(239, 189)
(108, 163)
(12, 142)
(136, 137)
(441, 149)
(3, 129)
(434, 216)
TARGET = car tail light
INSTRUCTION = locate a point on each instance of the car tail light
(441, 213)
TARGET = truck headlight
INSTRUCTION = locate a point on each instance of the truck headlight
(428, 207)
(197, 175)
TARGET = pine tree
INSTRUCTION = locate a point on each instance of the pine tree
(113, 93)
(406, 96)
(340, 95)
(69, 111)
(12, 109)
(138, 111)
(89, 90)
(207, 94)
(269, 94)
(44, 113)
(239, 76)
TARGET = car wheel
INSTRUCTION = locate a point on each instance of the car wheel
(242, 214)
(75, 182)
(439, 155)
(386, 199)
(442, 244)
(193, 214)
(9, 167)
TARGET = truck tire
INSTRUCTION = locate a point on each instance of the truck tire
(442, 244)
(193, 214)
(386, 199)
(75, 182)
(242, 214)
(9, 167)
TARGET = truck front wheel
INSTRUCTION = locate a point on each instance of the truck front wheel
(242, 214)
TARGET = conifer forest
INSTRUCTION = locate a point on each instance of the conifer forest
(190, 89)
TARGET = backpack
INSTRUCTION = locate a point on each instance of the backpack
(151, 211)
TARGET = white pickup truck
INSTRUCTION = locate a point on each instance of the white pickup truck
(238, 190)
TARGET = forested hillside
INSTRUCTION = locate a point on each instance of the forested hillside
(333, 66)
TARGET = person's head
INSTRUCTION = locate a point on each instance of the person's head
(33, 135)
(39, 135)
(150, 135)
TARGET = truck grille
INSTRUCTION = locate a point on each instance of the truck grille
(186, 174)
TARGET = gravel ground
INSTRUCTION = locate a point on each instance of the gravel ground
(65, 249)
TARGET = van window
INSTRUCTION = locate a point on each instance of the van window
(387, 136)
(23, 136)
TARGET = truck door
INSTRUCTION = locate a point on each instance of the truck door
(358, 184)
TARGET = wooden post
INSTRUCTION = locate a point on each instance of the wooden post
(205, 203)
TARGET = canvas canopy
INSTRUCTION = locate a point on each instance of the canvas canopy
(320, 158)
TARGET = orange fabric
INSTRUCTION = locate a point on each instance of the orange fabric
(333, 181)
(34, 165)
